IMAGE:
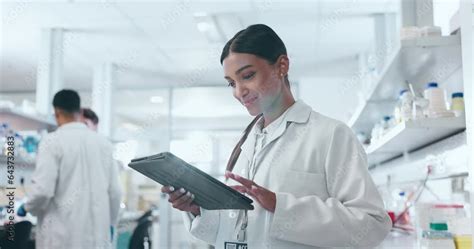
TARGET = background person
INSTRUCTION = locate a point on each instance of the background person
(74, 191)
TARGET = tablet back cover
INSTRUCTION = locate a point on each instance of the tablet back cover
(211, 194)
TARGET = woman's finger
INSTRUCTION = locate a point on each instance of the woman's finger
(181, 200)
(227, 174)
(242, 180)
(186, 202)
(256, 191)
(240, 188)
(176, 194)
(167, 189)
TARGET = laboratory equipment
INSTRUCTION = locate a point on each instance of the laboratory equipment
(403, 111)
(437, 101)
(457, 104)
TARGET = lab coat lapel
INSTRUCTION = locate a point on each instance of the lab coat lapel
(278, 133)
(248, 147)
(299, 113)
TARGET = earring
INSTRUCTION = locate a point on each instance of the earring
(281, 75)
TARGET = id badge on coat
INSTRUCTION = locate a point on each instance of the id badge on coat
(235, 245)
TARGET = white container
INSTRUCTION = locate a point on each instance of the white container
(436, 240)
(437, 106)
(387, 123)
(418, 107)
(405, 104)
(457, 104)
(408, 33)
(375, 134)
(437, 244)
(430, 31)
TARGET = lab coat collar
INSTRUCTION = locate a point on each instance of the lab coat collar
(72, 125)
(299, 112)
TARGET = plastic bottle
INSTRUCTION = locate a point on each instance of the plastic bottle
(397, 112)
(437, 101)
(3, 128)
(457, 104)
(401, 209)
(389, 203)
(375, 134)
(3, 138)
(4, 132)
(18, 140)
(401, 202)
(20, 150)
(405, 104)
(437, 239)
(387, 123)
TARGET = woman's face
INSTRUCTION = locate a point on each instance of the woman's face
(256, 84)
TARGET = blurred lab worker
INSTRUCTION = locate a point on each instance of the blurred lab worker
(307, 173)
(89, 118)
(74, 191)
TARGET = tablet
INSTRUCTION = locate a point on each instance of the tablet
(211, 194)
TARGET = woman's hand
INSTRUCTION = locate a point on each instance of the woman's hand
(181, 199)
(265, 197)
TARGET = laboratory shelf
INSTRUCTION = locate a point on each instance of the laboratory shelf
(417, 61)
(412, 135)
(20, 121)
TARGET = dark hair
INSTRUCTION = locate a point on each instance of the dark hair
(88, 113)
(259, 40)
(67, 100)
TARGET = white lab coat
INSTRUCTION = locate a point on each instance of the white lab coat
(74, 191)
(325, 196)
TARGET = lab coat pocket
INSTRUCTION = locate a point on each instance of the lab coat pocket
(302, 184)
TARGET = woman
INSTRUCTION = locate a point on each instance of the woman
(307, 173)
